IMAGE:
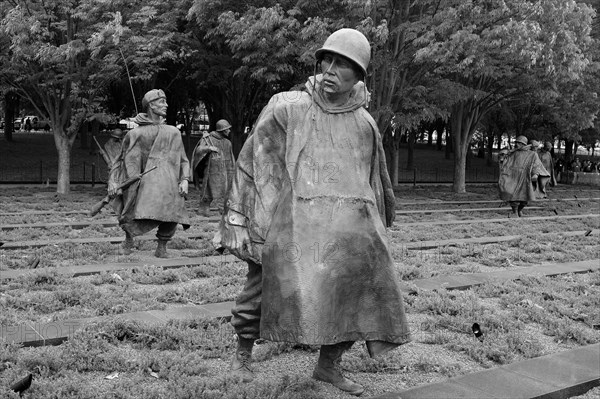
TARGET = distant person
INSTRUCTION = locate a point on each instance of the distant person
(546, 158)
(523, 178)
(27, 124)
(560, 167)
(157, 200)
(213, 165)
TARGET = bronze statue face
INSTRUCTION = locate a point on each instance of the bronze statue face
(159, 107)
(226, 132)
(339, 75)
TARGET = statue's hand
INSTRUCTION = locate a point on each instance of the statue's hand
(238, 241)
(183, 188)
(113, 189)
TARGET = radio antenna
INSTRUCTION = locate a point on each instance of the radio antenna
(129, 77)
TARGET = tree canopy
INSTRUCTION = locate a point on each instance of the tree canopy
(432, 61)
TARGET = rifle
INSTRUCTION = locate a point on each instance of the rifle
(104, 154)
(100, 204)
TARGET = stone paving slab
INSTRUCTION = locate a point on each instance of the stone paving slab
(112, 240)
(560, 371)
(498, 220)
(559, 375)
(73, 225)
(48, 212)
(54, 333)
(426, 211)
(40, 334)
(442, 202)
(58, 332)
(466, 281)
(88, 270)
(79, 224)
(458, 241)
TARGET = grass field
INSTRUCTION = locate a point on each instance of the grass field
(521, 319)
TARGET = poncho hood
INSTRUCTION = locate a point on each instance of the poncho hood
(358, 96)
(143, 119)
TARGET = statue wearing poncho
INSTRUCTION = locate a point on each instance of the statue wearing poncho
(312, 185)
(518, 175)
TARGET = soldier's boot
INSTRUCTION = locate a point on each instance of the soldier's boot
(514, 211)
(128, 244)
(327, 369)
(161, 249)
(240, 364)
(520, 210)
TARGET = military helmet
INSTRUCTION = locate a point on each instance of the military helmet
(151, 96)
(535, 144)
(117, 134)
(349, 43)
(222, 125)
(521, 139)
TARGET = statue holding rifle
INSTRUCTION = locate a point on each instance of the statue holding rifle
(156, 200)
(110, 152)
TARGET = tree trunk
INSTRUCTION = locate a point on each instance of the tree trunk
(468, 156)
(448, 143)
(389, 155)
(438, 143)
(568, 151)
(490, 149)
(11, 108)
(410, 159)
(9, 126)
(63, 146)
(394, 164)
(463, 120)
(95, 131)
(84, 137)
(84, 130)
(460, 167)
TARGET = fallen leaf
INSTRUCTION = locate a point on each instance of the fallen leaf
(112, 376)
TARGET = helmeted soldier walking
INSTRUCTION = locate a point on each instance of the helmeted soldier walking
(548, 162)
(213, 165)
(308, 209)
(157, 200)
(111, 151)
(522, 177)
(113, 145)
